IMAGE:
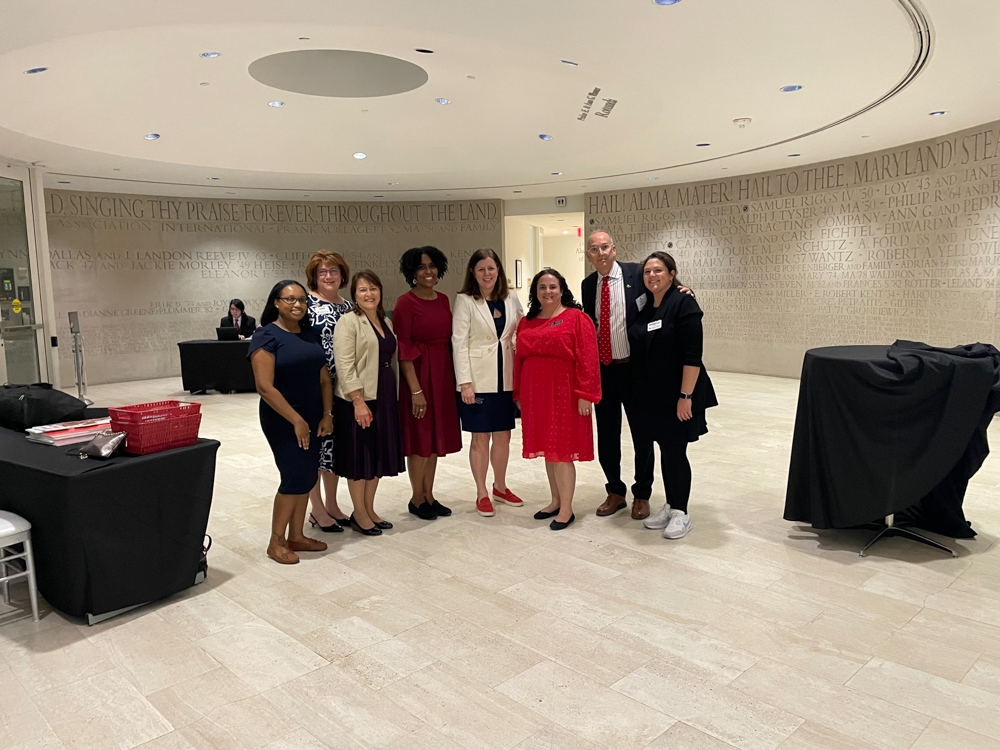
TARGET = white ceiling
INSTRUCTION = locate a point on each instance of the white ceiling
(119, 69)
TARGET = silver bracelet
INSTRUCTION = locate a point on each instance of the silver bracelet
(417, 393)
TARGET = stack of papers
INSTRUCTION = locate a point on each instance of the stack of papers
(68, 433)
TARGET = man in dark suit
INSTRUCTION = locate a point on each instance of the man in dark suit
(609, 297)
(238, 319)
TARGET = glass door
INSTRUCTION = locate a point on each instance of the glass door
(20, 323)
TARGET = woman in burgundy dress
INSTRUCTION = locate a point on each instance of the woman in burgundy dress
(557, 381)
(428, 410)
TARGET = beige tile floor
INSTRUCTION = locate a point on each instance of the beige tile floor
(480, 633)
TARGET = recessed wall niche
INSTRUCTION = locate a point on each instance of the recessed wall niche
(145, 272)
(897, 244)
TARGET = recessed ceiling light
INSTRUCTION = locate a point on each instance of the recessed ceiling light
(654, 178)
(393, 183)
(213, 178)
(443, 101)
(471, 78)
(364, 111)
(303, 39)
(32, 71)
(360, 155)
(702, 145)
(210, 54)
(64, 182)
(789, 89)
(725, 167)
(424, 51)
(151, 136)
(557, 173)
(517, 191)
(203, 83)
(565, 231)
(545, 137)
(116, 169)
(380, 196)
(569, 62)
(793, 155)
(562, 219)
(666, 2)
(275, 104)
(939, 112)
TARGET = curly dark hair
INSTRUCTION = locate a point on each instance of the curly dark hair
(535, 307)
(270, 313)
(471, 286)
(410, 262)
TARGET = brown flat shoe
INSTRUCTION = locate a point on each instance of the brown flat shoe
(612, 505)
(282, 555)
(307, 545)
(640, 509)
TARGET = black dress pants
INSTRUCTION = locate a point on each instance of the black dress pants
(616, 392)
(676, 469)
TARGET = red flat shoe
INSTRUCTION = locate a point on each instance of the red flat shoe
(507, 497)
(484, 507)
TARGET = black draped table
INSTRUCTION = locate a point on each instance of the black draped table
(216, 365)
(109, 535)
(891, 432)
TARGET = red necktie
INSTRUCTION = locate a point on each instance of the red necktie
(604, 325)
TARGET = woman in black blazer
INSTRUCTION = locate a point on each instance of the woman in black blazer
(665, 339)
(237, 318)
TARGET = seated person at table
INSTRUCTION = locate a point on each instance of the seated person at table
(237, 319)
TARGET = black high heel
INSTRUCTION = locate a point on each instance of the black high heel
(330, 529)
(384, 525)
(373, 531)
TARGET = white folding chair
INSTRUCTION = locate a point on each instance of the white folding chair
(16, 530)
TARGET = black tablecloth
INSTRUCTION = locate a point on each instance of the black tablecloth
(216, 365)
(109, 534)
(891, 430)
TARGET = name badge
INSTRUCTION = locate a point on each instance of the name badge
(556, 323)
(640, 302)
(655, 325)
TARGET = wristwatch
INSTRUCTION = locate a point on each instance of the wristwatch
(685, 396)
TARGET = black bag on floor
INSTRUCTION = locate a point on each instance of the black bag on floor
(24, 406)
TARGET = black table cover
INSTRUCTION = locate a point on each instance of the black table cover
(216, 365)
(891, 430)
(109, 534)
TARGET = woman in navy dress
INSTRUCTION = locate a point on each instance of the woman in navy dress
(369, 443)
(289, 367)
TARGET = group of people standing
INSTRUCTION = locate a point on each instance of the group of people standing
(332, 405)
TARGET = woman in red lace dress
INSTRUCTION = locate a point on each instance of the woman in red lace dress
(557, 381)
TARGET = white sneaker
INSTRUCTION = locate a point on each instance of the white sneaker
(678, 526)
(660, 520)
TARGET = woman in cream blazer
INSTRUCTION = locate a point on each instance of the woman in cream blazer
(484, 321)
(365, 409)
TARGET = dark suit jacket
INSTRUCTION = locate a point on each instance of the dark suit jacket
(247, 324)
(658, 358)
(631, 275)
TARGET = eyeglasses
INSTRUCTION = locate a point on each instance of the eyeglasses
(328, 272)
(295, 300)
(602, 249)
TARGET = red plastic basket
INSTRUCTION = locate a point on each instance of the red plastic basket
(157, 426)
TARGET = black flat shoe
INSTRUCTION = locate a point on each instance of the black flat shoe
(385, 525)
(543, 514)
(424, 511)
(441, 510)
(315, 524)
(559, 526)
(373, 531)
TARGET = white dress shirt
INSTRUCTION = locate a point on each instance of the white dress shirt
(619, 333)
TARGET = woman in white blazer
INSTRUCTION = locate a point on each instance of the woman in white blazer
(365, 409)
(484, 321)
